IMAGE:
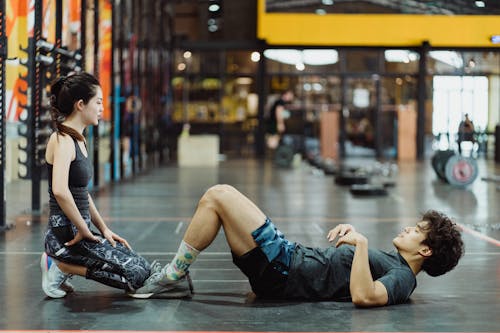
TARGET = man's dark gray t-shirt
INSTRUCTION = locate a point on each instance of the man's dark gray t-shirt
(318, 274)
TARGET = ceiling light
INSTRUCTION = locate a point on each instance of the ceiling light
(412, 56)
(320, 11)
(213, 8)
(317, 86)
(244, 80)
(404, 56)
(320, 57)
(307, 57)
(255, 57)
(448, 57)
(290, 57)
(327, 2)
(480, 4)
(300, 66)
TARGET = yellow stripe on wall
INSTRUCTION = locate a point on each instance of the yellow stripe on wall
(376, 29)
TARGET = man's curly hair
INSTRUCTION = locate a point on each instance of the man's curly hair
(445, 240)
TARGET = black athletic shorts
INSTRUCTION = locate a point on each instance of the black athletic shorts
(266, 278)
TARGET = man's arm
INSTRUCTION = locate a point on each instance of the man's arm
(364, 291)
(280, 120)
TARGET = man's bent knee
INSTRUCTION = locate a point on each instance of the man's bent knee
(216, 196)
(217, 192)
(221, 189)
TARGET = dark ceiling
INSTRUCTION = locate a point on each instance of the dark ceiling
(430, 7)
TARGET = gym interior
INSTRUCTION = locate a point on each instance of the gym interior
(373, 138)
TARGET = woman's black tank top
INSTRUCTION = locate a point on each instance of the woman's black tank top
(80, 173)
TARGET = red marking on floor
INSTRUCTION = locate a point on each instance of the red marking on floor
(480, 235)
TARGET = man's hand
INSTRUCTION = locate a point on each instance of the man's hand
(281, 128)
(347, 235)
(340, 230)
(351, 238)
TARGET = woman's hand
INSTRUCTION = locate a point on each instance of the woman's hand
(80, 236)
(113, 238)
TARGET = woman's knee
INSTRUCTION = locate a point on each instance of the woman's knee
(136, 274)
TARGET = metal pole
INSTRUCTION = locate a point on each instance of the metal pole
(343, 110)
(137, 72)
(96, 74)
(134, 15)
(83, 29)
(3, 56)
(36, 106)
(59, 22)
(114, 99)
(378, 117)
(122, 90)
(260, 142)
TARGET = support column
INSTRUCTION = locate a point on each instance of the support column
(260, 142)
(421, 97)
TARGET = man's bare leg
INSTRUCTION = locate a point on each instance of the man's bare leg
(223, 205)
(220, 206)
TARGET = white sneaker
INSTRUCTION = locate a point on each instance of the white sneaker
(159, 286)
(66, 285)
(52, 277)
(155, 267)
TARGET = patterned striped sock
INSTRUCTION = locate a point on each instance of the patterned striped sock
(186, 255)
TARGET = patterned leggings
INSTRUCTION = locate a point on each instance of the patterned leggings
(117, 267)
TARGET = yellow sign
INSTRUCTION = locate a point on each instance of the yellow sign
(393, 30)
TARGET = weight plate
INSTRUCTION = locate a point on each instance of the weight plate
(368, 190)
(439, 162)
(350, 179)
(283, 156)
(461, 171)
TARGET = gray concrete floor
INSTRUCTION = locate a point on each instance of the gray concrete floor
(152, 211)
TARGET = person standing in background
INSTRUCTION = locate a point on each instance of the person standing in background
(465, 132)
(276, 122)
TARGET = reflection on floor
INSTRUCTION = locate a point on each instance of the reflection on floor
(152, 211)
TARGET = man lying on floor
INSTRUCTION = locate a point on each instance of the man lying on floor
(279, 269)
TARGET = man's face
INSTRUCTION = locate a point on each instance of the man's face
(411, 238)
(288, 97)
